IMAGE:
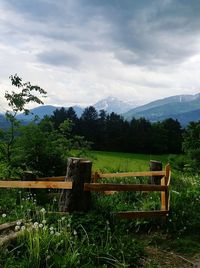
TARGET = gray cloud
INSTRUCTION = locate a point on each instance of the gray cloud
(59, 58)
(109, 45)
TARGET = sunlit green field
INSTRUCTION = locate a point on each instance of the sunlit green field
(115, 161)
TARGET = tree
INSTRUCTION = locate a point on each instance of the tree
(141, 134)
(191, 144)
(173, 132)
(89, 125)
(58, 117)
(17, 100)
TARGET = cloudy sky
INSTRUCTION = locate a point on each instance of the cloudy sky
(81, 51)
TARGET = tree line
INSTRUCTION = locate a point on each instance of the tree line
(43, 146)
(111, 132)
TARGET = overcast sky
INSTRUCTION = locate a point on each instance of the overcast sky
(81, 51)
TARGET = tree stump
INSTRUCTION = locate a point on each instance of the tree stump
(79, 172)
(155, 166)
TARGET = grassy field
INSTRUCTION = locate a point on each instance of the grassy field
(115, 161)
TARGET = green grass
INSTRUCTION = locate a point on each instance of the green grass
(115, 161)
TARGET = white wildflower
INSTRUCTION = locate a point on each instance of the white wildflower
(40, 225)
(52, 232)
(3, 215)
(57, 234)
(35, 225)
(63, 218)
(43, 210)
(17, 228)
(51, 228)
(23, 228)
(44, 222)
(75, 232)
(19, 223)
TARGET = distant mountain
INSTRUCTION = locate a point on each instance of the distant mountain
(182, 107)
(3, 122)
(112, 104)
(43, 110)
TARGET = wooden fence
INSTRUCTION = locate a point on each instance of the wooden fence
(60, 183)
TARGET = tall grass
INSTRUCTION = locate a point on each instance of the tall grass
(115, 161)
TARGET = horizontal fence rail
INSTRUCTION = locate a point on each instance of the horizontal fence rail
(36, 184)
(100, 187)
(131, 174)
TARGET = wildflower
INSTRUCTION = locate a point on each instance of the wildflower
(44, 222)
(22, 199)
(51, 228)
(44, 228)
(48, 257)
(18, 223)
(23, 228)
(75, 232)
(40, 225)
(43, 210)
(17, 228)
(57, 234)
(63, 218)
(3, 215)
(35, 225)
(20, 192)
(22, 206)
(52, 232)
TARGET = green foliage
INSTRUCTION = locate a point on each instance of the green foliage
(117, 161)
(17, 101)
(70, 241)
(185, 202)
(191, 145)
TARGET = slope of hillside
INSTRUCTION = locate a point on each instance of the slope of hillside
(184, 107)
(43, 110)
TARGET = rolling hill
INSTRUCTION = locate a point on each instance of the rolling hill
(185, 108)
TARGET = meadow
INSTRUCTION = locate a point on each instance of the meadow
(116, 161)
(99, 238)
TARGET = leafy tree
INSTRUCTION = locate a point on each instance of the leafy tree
(17, 100)
(115, 132)
(58, 117)
(89, 125)
(191, 144)
(173, 132)
(141, 134)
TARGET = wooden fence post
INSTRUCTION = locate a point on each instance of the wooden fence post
(76, 199)
(155, 166)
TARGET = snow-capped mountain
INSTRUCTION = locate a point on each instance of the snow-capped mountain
(113, 104)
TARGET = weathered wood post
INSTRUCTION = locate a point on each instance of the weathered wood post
(155, 166)
(79, 172)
